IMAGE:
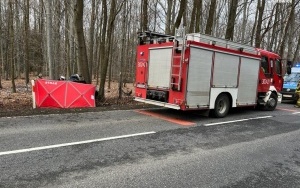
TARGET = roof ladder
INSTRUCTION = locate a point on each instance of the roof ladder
(178, 45)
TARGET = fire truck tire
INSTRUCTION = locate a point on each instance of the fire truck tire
(272, 103)
(222, 106)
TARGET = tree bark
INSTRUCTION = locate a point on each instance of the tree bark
(182, 8)
(82, 54)
(198, 20)
(291, 37)
(245, 19)
(67, 41)
(255, 23)
(169, 16)
(273, 42)
(284, 37)
(231, 20)
(1, 46)
(122, 59)
(18, 45)
(11, 46)
(49, 38)
(296, 53)
(210, 20)
(144, 15)
(26, 46)
(261, 8)
(193, 17)
(92, 31)
(103, 51)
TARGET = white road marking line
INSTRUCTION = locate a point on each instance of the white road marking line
(73, 143)
(296, 113)
(239, 120)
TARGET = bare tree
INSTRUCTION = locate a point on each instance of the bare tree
(231, 19)
(103, 51)
(210, 20)
(91, 41)
(261, 7)
(198, 20)
(107, 48)
(296, 54)
(26, 46)
(181, 12)
(124, 18)
(49, 38)
(11, 46)
(289, 20)
(144, 17)
(82, 56)
(1, 46)
(169, 16)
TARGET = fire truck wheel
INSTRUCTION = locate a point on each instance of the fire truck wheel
(272, 103)
(221, 106)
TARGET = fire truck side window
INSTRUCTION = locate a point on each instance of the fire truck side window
(265, 64)
(278, 67)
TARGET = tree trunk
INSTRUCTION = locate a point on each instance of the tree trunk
(181, 11)
(92, 31)
(296, 53)
(82, 54)
(210, 20)
(56, 37)
(255, 23)
(144, 15)
(231, 20)
(41, 31)
(169, 16)
(291, 37)
(67, 41)
(1, 46)
(261, 8)
(103, 51)
(11, 46)
(49, 38)
(198, 20)
(26, 46)
(124, 16)
(193, 17)
(18, 46)
(284, 37)
(245, 19)
(273, 42)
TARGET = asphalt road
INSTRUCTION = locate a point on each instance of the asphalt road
(152, 148)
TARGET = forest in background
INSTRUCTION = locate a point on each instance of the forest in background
(98, 38)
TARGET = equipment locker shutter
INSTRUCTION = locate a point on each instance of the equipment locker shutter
(199, 75)
(160, 61)
(226, 68)
(248, 81)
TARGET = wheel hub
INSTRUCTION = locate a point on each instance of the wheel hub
(272, 102)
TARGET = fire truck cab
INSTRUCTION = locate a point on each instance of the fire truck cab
(196, 71)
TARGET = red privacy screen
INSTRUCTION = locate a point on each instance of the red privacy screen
(62, 94)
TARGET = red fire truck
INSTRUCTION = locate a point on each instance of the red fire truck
(196, 71)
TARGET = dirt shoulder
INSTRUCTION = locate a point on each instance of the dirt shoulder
(25, 110)
(20, 103)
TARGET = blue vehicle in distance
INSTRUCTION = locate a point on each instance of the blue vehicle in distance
(290, 84)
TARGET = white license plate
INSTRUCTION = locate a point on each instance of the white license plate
(289, 96)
